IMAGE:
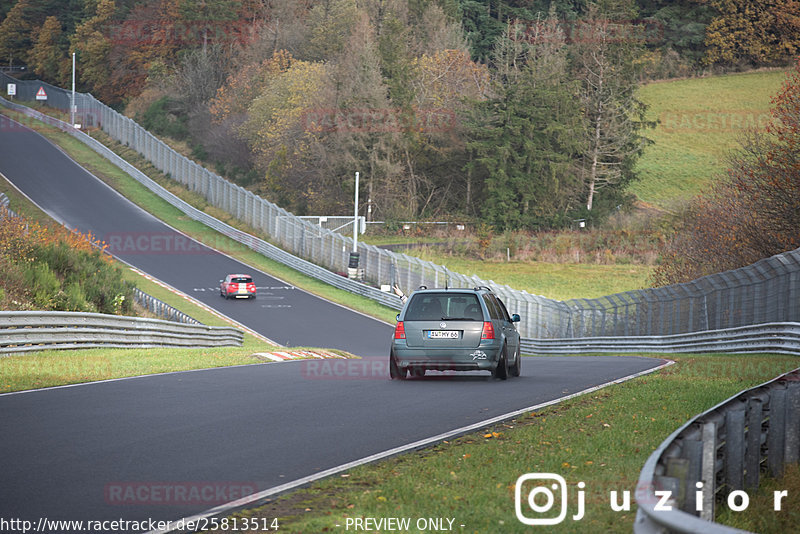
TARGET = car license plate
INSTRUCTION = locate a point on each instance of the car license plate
(442, 334)
(242, 291)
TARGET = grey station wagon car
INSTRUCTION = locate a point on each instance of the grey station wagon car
(455, 329)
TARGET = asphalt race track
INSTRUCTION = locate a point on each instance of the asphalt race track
(169, 446)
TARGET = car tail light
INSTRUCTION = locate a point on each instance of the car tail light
(488, 330)
(251, 288)
(233, 286)
(400, 331)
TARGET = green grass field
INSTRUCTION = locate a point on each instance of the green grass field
(560, 281)
(700, 122)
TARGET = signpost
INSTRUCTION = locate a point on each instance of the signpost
(12, 90)
(40, 94)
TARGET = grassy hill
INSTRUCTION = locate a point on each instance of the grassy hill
(700, 120)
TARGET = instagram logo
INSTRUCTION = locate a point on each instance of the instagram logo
(546, 499)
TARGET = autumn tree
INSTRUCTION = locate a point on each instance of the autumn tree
(15, 33)
(330, 23)
(93, 47)
(228, 110)
(447, 84)
(282, 27)
(48, 58)
(437, 30)
(753, 32)
(356, 130)
(614, 117)
(276, 129)
(752, 212)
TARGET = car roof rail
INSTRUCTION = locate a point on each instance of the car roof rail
(478, 288)
(422, 287)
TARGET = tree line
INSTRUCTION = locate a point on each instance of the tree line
(522, 114)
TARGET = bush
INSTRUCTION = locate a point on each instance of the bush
(164, 117)
(51, 268)
(42, 283)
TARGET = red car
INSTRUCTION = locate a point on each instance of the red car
(238, 286)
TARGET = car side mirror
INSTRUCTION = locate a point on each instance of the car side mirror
(515, 318)
(397, 317)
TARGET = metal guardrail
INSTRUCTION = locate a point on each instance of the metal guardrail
(717, 455)
(781, 338)
(161, 309)
(26, 331)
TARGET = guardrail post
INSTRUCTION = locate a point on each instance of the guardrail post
(791, 452)
(708, 469)
(693, 450)
(777, 431)
(676, 479)
(734, 449)
(755, 419)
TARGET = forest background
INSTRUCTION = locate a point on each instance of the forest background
(513, 115)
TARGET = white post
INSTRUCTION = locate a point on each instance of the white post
(72, 103)
(352, 264)
(355, 219)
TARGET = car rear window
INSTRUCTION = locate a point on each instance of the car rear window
(241, 280)
(444, 306)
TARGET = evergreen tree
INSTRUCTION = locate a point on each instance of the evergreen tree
(613, 115)
(526, 147)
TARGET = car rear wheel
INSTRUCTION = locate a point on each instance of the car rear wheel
(501, 371)
(517, 367)
(395, 371)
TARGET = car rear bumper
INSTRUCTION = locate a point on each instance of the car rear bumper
(482, 358)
